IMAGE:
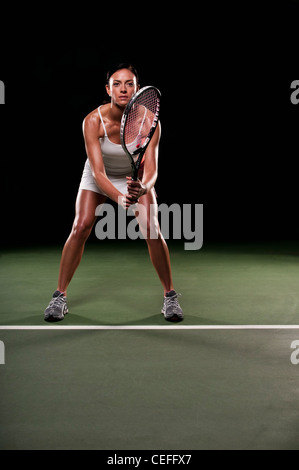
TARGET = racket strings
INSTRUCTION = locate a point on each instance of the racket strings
(142, 117)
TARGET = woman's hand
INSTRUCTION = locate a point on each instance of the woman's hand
(127, 201)
(135, 189)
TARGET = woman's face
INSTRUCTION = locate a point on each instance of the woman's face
(122, 86)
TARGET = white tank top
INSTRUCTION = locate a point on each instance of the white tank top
(115, 159)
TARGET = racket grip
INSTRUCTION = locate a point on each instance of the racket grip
(135, 174)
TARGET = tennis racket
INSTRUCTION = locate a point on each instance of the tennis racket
(138, 125)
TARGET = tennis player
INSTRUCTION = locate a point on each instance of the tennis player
(107, 174)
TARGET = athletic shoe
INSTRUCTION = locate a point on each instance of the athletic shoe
(57, 308)
(171, 308)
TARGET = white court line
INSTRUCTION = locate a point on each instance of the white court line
(149, 327)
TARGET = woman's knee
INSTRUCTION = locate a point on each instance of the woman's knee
(150, 228)
(81, 229)
(147, 217)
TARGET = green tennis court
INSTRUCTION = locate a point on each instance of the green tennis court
(202, 384)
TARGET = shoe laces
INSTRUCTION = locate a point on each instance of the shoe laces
(57, 301)
(173, 302)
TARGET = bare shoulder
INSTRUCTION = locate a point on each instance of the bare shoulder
(105, 108)
(92, 119)
(92, 124)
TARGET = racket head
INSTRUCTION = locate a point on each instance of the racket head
(139, 121)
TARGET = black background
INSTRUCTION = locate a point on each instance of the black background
(229, 129)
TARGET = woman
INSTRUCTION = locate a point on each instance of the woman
(106, 174)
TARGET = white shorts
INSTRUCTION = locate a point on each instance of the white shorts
(88, 182)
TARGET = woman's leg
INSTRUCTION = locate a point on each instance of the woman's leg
(86, 204)
(158, 250)
(157, 247)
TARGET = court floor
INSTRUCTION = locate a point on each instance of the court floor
(115, 375)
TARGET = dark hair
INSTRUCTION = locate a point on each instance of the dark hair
(124, 65)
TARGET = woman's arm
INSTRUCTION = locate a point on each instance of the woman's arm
(91, 132)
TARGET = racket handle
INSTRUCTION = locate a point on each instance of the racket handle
(137, 165)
